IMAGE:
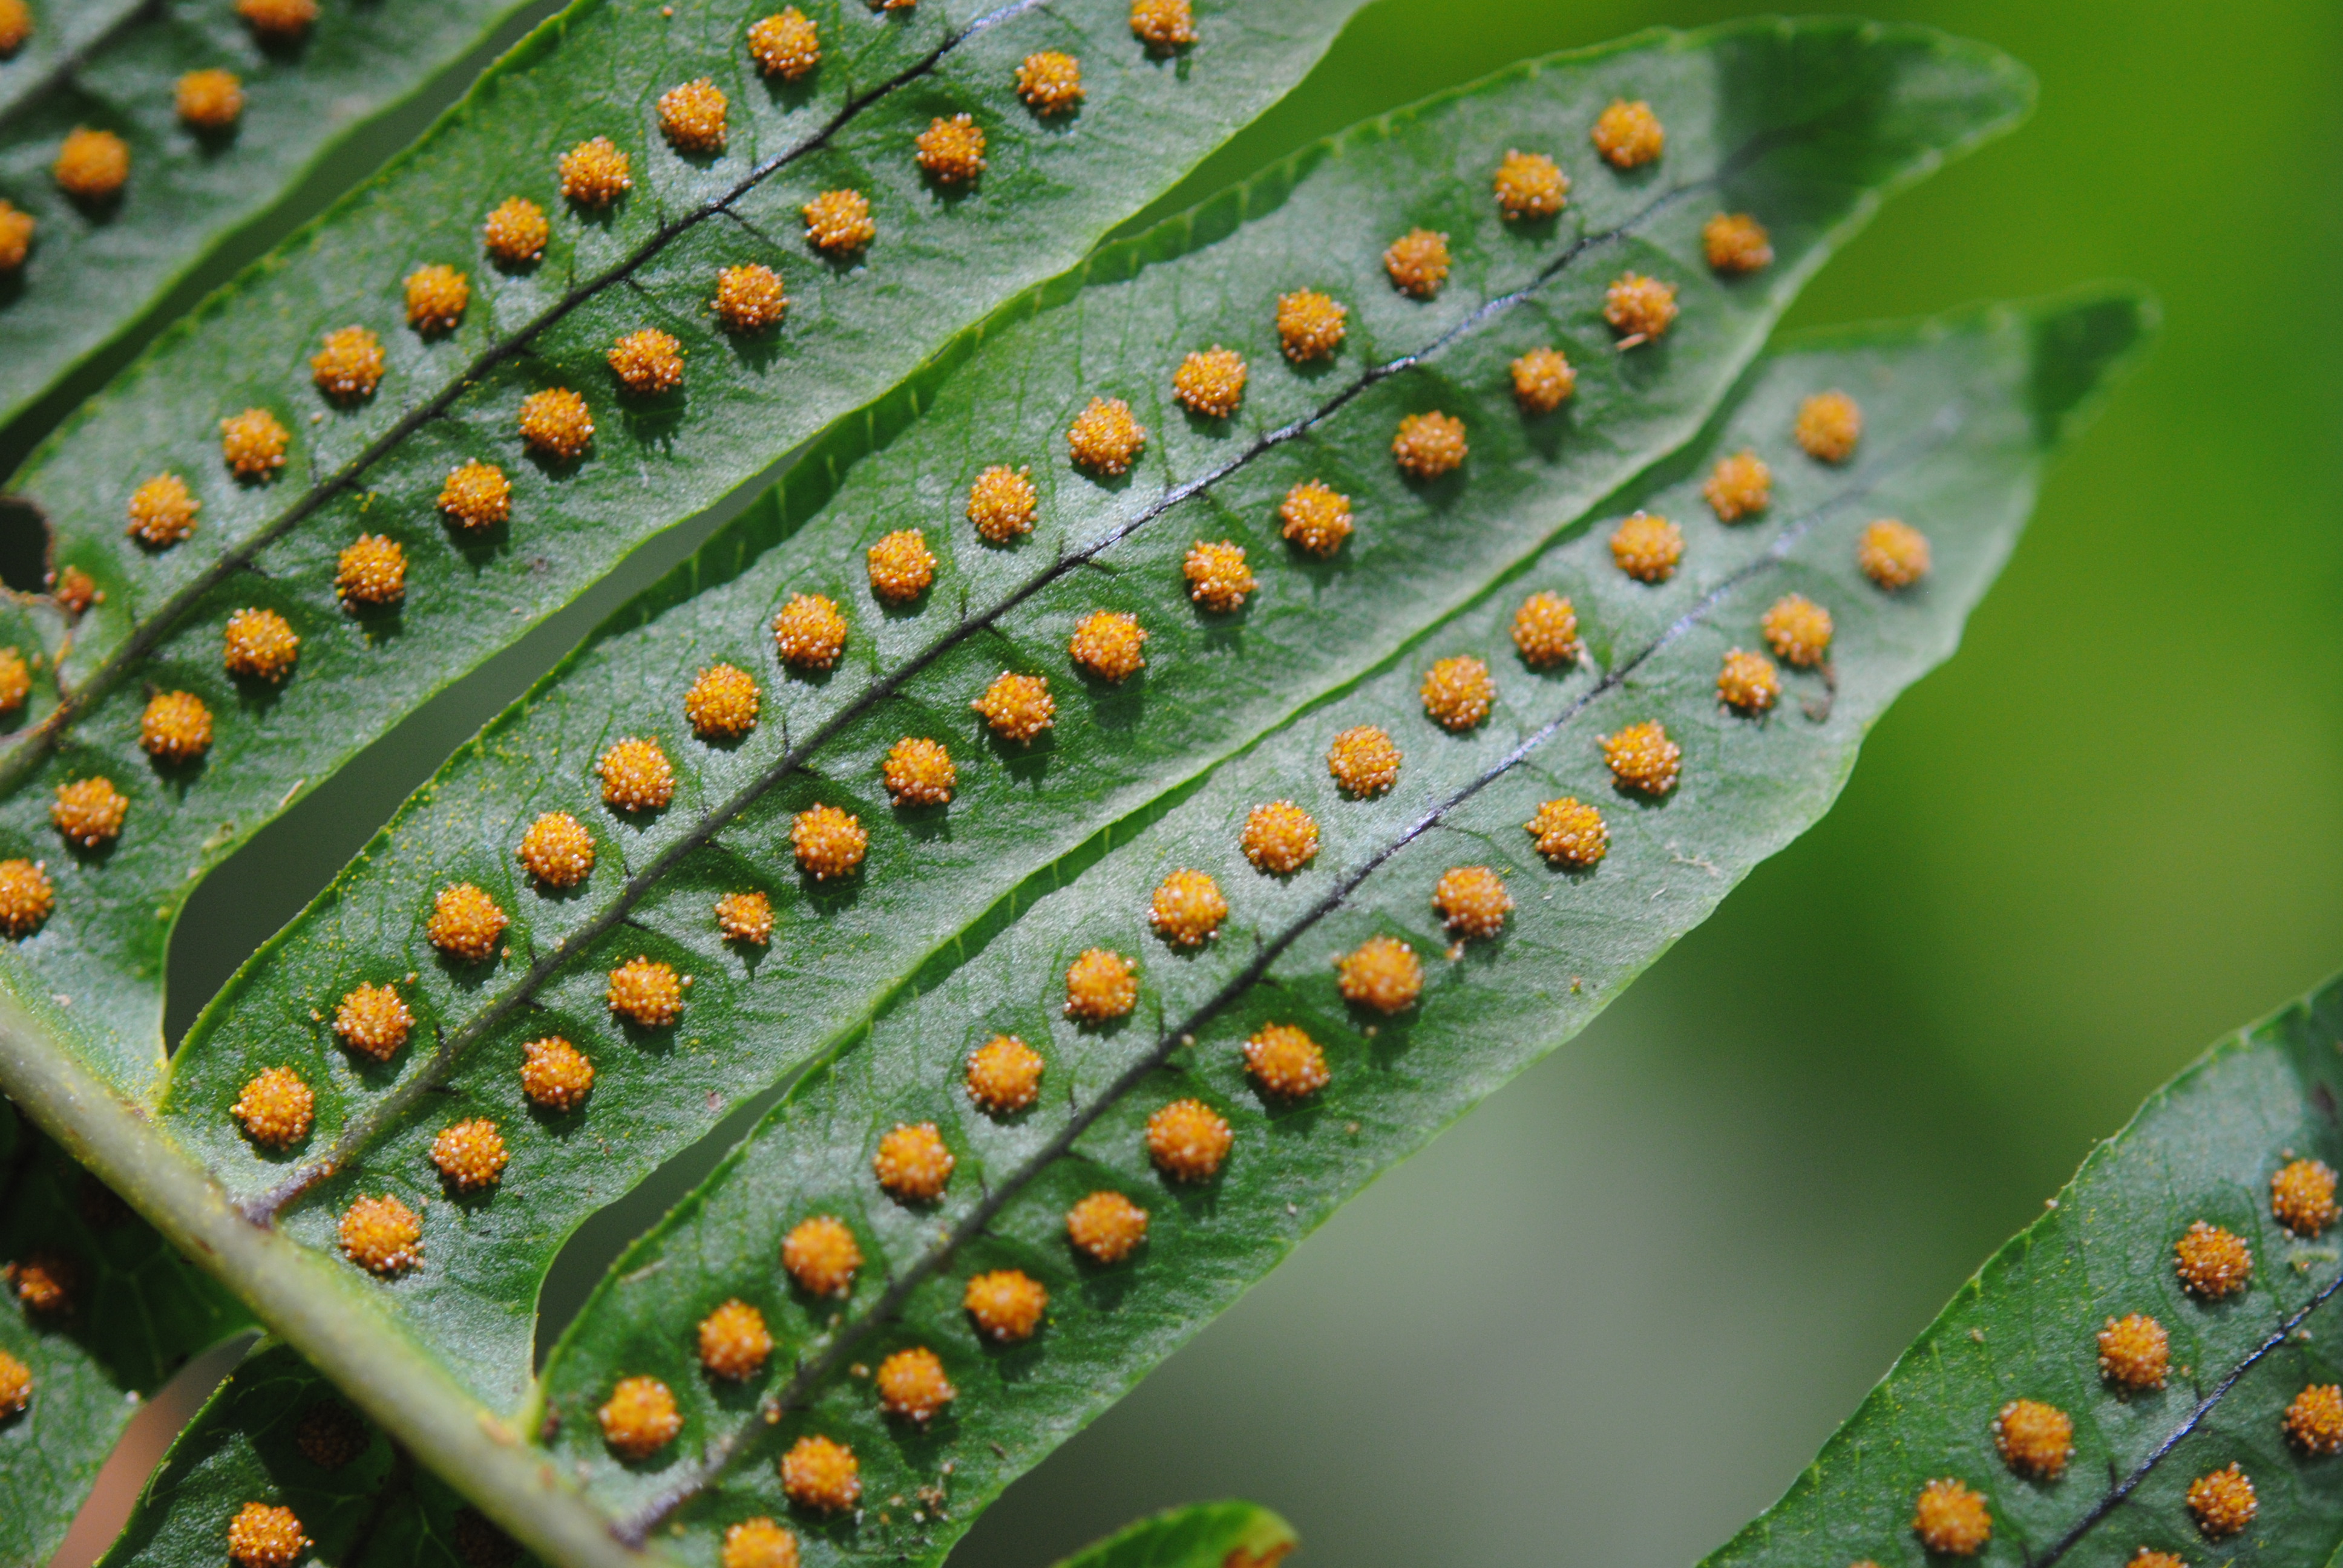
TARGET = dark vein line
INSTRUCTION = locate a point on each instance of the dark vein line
(364, 1130)
(719, 1455)
(28, 751)
(2123, 1489)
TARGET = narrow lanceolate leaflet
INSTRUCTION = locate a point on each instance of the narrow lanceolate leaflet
(729, 823)
(879, 1344)
(1338, 1015)
(223, 596)
(261, 516)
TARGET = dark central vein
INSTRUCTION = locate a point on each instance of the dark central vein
(719, 1455)
(364, 1130)
(36, 743)
(2115, 1496)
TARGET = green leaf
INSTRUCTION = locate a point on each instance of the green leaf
(2204, 1148)
(1804, 122)
(133, 1312)
(261, 1436)
(1198, 1536)
(277, 1433)
(94, 270)
(939, 262)
(32, 622)
(1959, 416)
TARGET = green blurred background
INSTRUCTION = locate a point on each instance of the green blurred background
(1609, 1317)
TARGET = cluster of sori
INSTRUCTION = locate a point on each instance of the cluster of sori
(810, 634)
(1186, 1139)
(2035, 1440)
(276, 1108)
(93, 166)
(259, 646)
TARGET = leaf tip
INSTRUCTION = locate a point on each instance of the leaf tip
(2082, 344)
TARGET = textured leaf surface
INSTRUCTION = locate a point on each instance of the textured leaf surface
(2204, 1148)
(940, 261)
(1200, 1535)
(1958, 418)
(1802, 124)
(1960, 414)
(94, 269)
(135, 1310)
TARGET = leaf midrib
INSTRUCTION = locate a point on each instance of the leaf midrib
(36, 744)
(998, 1195)
(380, 1117)
(2114, 1497)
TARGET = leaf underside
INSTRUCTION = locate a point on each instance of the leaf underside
(2204, 1148)
(364, 1506)
(1119, 753)
(276, 1430)
(1958, 420)
(96, 969)
(941, 260)
(1951, 442)
(95, 268)
(964, 919)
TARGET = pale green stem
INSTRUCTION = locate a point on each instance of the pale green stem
(327, 1312)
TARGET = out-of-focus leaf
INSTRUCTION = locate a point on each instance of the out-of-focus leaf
(275, 1432)
(1199, 1535)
